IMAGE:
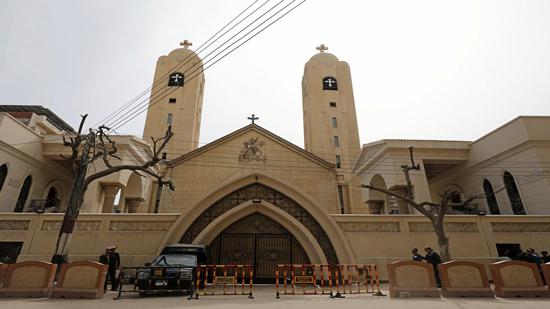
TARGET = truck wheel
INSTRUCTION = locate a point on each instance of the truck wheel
(142, 293)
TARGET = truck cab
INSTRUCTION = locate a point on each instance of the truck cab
(174, 270)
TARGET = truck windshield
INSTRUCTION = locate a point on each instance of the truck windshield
(175, 260)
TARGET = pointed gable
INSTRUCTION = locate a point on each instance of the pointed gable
(251, 150)
(245, 152)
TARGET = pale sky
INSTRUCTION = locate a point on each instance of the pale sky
(445, 70)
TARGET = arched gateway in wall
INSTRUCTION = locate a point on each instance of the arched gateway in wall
(261, 226)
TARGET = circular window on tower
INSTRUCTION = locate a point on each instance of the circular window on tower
(329, 83)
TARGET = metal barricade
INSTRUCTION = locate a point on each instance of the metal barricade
(160, 279)
(352, 278)
(231, 277)
(312, 278)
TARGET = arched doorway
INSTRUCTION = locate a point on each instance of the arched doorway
(259, 241)
(257, 193)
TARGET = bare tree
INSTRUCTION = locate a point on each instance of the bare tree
(437, 211)
(95, 145)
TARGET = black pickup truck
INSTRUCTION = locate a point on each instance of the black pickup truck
(174, 270)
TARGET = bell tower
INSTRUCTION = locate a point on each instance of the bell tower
(176, 100)
(330, 123)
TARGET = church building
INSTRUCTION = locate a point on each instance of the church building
(257, 199)
(253, 196)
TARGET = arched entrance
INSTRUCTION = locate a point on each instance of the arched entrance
(259, 241)
(268, 198)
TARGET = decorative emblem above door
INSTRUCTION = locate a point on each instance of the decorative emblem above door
(251, 150)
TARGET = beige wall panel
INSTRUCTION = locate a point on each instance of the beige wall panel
(203, 173)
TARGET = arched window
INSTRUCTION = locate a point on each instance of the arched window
(457, 199)
(22, 199)
(490, 196)
(176, 79)
(329, 83)
(52, 200)
(3, 175)
(513, 194)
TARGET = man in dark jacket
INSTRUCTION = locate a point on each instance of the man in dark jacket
(535, 258)
(104, 259)
(114, 263)
(416, 256)
(434, 259)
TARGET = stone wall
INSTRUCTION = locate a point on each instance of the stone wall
(139, 238)
(374, 239)
(384, 239)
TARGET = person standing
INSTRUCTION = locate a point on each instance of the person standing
(505, 256)
(416, 256)
(104, 259)
(116, 255)
(535, 258)
(114, 263)
(434, 259)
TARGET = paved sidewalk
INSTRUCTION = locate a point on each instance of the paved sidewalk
(264, 297)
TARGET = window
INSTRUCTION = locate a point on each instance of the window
(9, 251)
(332, 104)
(329, 83)
(176, 79)
(169, 119)
(490, 197)
(338, 162)
(23, 194)
(172, 100)
(336, 142)
(513, 194)
(341, 199)
(334, 122)
(3, 175)
(163, 160)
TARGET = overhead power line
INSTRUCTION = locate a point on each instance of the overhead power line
(128, 113)
(156, 83)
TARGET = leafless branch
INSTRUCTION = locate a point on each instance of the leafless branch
(106, 152)
(82, 123)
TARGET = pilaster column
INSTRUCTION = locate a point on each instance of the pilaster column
(402, 205)
(133, 204)
(109, 200)
(375, 206)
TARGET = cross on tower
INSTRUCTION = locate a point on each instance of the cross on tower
(322, 48)
(176, 77)
(253, 118)
(186, 44)
(330, 81)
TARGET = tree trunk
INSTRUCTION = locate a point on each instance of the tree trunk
(442, 241)
(71, 214)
